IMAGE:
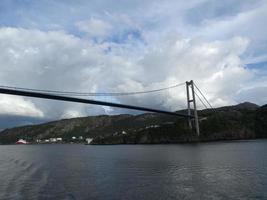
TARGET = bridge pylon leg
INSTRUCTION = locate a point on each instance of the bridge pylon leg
(191, 99)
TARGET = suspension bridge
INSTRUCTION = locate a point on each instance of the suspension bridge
(192, 91)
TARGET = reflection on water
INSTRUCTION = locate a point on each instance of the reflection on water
(220, 170)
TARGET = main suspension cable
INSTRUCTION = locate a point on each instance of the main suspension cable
(92, 93)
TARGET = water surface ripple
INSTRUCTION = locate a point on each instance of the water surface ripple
(219, 170)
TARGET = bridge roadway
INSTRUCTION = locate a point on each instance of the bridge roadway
(86, 101)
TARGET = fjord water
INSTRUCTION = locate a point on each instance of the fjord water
(218, 170)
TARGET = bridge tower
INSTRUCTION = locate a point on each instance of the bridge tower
(191, 99)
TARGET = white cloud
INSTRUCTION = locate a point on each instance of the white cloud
(215, 66)
(60, 61)
(94, 27)
(245, 23)
(249, 23)
(71, 114)
(18, 106)
(256, 59)
(255, 91)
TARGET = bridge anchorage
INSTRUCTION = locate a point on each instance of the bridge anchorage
(68, 96)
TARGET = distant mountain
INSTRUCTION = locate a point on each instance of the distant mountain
(247, 106)
(241, 106)
(91, 127)
(242, 121)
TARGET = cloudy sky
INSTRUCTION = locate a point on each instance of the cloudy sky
(134, 45)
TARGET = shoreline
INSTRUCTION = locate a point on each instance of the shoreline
(146, 144)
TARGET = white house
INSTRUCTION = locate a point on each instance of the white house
(88, 140)
(52, 139)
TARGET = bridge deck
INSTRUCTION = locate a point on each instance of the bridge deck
(86, 101)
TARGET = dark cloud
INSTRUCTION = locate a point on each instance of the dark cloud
(8, 121)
